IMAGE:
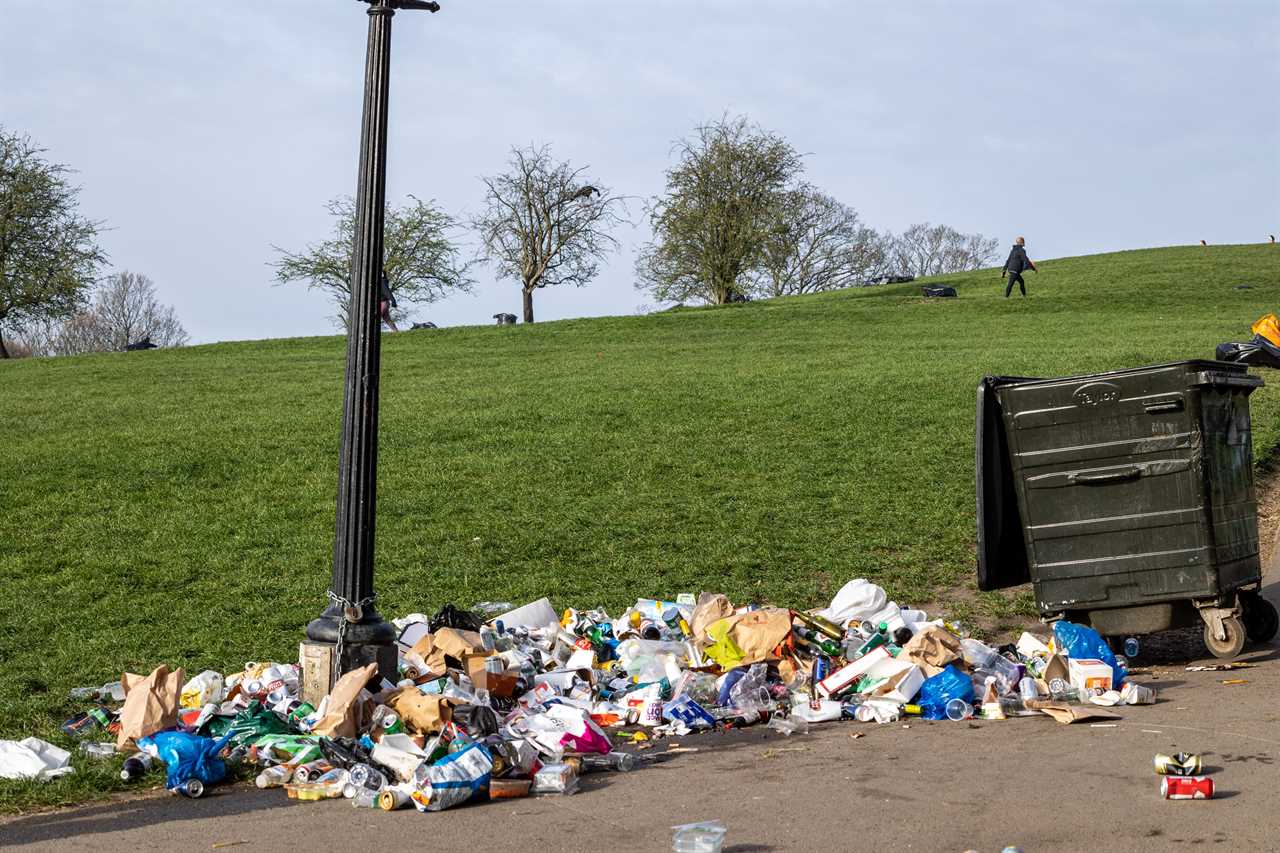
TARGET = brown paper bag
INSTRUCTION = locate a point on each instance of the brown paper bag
(711, 608)
(344, 714)
(150, 704)
(421, 713)
(759, 632)
(932, 648)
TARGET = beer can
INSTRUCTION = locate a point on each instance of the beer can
(1186, 788)
(390, 799)
(1181, 764)
(821, 668)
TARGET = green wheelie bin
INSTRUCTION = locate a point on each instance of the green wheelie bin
(1126, 499)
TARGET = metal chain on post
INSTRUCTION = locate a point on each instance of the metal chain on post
(352, 612)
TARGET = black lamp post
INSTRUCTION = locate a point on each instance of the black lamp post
(350, 625)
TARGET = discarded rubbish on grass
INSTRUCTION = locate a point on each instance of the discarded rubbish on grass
(508, 702)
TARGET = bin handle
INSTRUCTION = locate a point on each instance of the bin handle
(1211, 378)
(1119, 475)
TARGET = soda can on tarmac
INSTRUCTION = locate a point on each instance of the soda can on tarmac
(1186, 788)
(1180, 764)
(191, 788)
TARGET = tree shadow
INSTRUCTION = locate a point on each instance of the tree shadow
(123, 815)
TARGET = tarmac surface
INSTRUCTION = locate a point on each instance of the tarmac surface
(914, 785)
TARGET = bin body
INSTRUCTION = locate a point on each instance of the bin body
(1134, 489)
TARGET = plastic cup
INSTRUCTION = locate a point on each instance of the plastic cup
(958, 709)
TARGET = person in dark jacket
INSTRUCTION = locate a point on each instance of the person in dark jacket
(1017, 262)
(386, 301)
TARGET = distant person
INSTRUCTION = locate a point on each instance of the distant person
(386, 301)
(1018, 261)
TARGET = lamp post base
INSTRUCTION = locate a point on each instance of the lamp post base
(328, 652)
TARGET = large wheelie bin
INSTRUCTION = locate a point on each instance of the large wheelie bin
(1126, 499)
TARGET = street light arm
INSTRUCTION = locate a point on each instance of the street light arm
(425, 5)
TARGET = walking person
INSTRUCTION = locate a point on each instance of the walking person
(386, 301)
(1017, 262)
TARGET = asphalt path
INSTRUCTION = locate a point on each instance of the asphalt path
(915, 785)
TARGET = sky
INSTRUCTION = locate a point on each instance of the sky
(205, 134)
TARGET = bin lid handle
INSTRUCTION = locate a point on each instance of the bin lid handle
(1208, 377)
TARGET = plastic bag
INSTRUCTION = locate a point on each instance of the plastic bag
(187, 756)
(1259, 352)
(1268, 327)
(32, 758)
(454, 779)
(857, 600)
(940, 689)
(1083, 643)
(450, 616)
(250, 724)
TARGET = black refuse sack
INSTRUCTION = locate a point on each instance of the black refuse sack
(450, 616)
(1259, 352)
(938, 290)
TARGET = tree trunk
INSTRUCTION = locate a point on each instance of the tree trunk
(528, 305)
(4, 353)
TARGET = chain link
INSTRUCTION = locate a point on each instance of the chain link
(351, 612)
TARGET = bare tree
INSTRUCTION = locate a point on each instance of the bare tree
(711, 226)
(925, 249)
(125, 310)
(545, 223)
(422, 262)
(816, 243)
(49, 254)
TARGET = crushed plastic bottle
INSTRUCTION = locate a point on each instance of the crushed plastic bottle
(703, 837)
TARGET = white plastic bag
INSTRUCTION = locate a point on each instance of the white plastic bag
(32, 758)
(857, 600)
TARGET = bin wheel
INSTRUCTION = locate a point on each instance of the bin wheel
(1234, 642)
(1261, 621)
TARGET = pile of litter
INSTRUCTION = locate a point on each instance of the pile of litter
(497, 702)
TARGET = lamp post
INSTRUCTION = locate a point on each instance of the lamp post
(350, 633)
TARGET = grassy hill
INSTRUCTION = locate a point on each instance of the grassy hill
(178, 506)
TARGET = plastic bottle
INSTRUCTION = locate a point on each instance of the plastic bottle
(365, 776)
(98, 750)
(274, 777)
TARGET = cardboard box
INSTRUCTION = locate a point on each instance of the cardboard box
(1090, 674)
(849, 673)
(904, 680)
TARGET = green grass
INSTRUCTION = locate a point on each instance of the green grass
(178, 506)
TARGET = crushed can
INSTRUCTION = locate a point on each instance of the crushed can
(1181, 764)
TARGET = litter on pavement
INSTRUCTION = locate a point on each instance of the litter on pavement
(501, 701)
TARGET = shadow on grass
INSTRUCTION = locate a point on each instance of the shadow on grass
(120, 816)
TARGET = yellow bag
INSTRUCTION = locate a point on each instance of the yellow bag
(1269, 328)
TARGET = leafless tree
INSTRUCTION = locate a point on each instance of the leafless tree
(125, 310)
(545, 223)
(925, 249)
(816, 243)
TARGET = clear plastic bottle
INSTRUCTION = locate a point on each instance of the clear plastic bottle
(274, 777)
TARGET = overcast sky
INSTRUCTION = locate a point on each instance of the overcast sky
(205, 132)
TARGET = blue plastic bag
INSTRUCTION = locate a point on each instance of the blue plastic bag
(938, 690)
(187, 756)
(1081, 642)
